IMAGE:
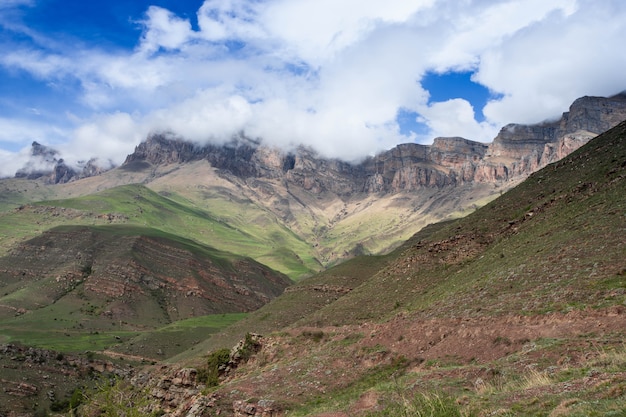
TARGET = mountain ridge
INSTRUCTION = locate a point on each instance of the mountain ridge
(515, 152)
(333, 210)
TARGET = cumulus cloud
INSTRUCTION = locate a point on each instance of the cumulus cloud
(164, 30)
(448, 118)
(107, 137)
(565, 56)
(221, 20)
(329, 74)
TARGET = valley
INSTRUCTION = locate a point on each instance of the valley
(488, 279)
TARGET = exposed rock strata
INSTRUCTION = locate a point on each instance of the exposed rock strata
(133, 273)
(517, 151)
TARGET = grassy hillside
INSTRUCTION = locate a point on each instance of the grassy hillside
(286, 227)
(135, 204)
(84, 282)
(515, 309)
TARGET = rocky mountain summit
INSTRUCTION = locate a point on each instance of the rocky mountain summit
(517, 151)
(45, 162)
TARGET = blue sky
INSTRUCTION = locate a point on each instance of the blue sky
(347, 77)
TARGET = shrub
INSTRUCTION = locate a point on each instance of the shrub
(250, 346)
(216, 364)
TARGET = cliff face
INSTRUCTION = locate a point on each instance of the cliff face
(524, 149)
(517, 151)
(46, 163)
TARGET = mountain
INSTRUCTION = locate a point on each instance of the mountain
(517, 151)
(300, 213)
(515, 309)
(518, 290)
(45, 162)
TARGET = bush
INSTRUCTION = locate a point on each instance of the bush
(216, 364)
(251, 345)
(117, 398)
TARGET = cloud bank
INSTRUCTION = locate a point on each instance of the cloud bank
(330, 74)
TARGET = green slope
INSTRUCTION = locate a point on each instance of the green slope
(274, 245)
(85, 281)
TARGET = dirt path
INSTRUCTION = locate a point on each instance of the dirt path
(119, 355)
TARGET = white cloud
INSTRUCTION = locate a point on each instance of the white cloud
(318, 30)
(38, 63)
(165, 30)
(221, 20)
(109, 137)
(448, 118)
(209, 116)
(543, 69)
(12, 161)
(330, 74)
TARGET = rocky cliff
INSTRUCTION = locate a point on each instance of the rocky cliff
(45, 162)
(517, 151)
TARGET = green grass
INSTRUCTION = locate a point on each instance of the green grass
(423, 405)
(61, 329)
(177, 337)
(379, 378)
(135, 205)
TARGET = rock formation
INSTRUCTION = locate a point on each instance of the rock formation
(517, 151)
(46, 163)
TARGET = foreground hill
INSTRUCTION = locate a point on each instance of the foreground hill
(516, 309)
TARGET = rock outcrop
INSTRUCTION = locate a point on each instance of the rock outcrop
(45, 162)
(517, 151)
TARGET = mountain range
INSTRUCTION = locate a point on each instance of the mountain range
(329, 210)
(514, 309)
(466, 263)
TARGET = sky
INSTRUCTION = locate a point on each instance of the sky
(347, 77)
